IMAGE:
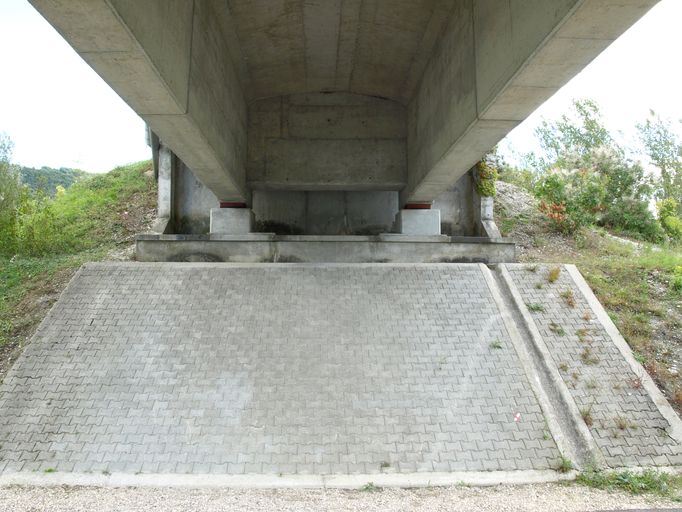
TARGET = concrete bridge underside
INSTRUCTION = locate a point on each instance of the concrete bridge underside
(343, 95)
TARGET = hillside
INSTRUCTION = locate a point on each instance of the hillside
(96, 218)
(631, 279)
(47, 179)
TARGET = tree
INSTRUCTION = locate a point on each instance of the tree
(585, 177)
(10, 196)
(570, 142)
(664, 148)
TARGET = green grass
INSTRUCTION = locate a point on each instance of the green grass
(370, 487)
(497, 345)
(565, 465)
(90, 213)
(535, 308)
(87, 220)
(648, 482)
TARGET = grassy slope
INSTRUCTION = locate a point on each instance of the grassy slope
(94, 218)
(630, 279)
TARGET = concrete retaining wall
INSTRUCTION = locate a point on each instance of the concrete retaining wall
(334, 249)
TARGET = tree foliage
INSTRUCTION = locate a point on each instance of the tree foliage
(664, 148)
(584, 177)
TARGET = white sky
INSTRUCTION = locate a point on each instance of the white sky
(59, 113)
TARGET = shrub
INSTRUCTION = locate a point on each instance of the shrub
(669, 219)
(633, 217)
(485, 178)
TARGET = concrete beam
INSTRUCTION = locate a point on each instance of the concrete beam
(169, 60)
(495, 64)
(327, 142)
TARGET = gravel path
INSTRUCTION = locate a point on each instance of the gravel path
(543, 498)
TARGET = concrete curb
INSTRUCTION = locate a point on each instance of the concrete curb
(265, 265)
(552, 373)
(675, 430)
(554, 424)
(407, 480)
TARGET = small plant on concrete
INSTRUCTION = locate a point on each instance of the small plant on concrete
(384, 465)
(586, 414)
(370, 487)
(50, 470)
(588, 357)
(535, 307)
(591, 384)
(583, 335)
(568, 297)
(565, 465)
(557, 329)
(587, 316)
(546, 434)
(106, 473)
(636, 382)
(621, 422)
(553, 274)
(563, 367)
(497, 345)
(539, 286)
(531, 268)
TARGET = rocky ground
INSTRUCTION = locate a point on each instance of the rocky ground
(540, 498)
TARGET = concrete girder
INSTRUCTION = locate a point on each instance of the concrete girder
(464, 73)
(168, 61)
(509, 58)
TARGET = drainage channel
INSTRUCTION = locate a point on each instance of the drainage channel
(562, 415)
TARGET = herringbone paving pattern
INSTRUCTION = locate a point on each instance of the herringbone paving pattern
(174, 368)
(624, 421)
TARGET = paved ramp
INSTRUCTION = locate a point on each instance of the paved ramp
(288, 369)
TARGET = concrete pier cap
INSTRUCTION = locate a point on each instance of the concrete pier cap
(318, 114)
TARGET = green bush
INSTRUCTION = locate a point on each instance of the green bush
(669, 219)
(633, 217)
(485, 179)
(83, 217)
(607, 191)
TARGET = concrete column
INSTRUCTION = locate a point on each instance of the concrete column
(166, 162)
(165, 183)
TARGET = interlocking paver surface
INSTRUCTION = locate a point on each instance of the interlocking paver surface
(174, 368)
(625, 423)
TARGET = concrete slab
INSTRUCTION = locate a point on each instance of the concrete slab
(269, 369)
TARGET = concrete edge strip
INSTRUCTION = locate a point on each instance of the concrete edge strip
(406, 480)
(552, 371)
(565, 446)
(271, 265)
(647, 382)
